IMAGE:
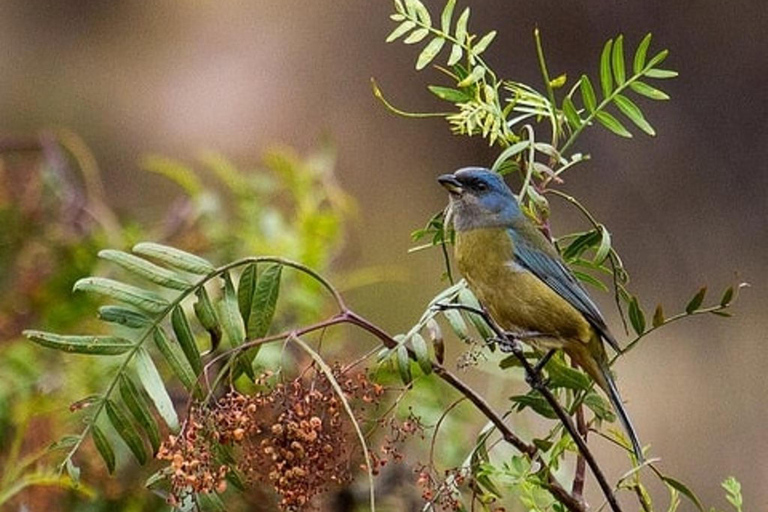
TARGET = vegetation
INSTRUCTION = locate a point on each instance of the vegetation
(234, 377)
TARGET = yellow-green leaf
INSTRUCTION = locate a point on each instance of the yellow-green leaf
(612, 124)
(91, 345)
(175, 258)
(145, 269)
(429, 52)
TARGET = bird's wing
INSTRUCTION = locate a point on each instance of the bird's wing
(551, 270)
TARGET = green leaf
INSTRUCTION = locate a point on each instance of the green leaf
(137, 297)
(636, 316)
(661, 73)
(468, 298)
(175, 358)
(422, 353)
(571, 114)
(580, 244)
(646, 90)
(639, 61)
(429, 52)
(153, 384)
(476, 75)
(230, 314)
(126, 430)
(91, 345)
(618, 61)
(561, 376)
(123, 316)
(416, 36)
(483, 43)
(587, 93)
(599, 406)
(658, 316)
(104, 448)
(403, 363)
(445, 17)
(461, 26)
(137, 405)
(264, 301)
(535, 401)
(514, 149)
(421, 12)
(73, 471)
(183, 332)
(629, 109)
(612, 124)
(456, 53)
(589, 279)
(656, 60)
(206, 315)
(684, 490)
(145, 269)
(727, 297)
(605, 245)
(696, 301)
(457, 323)
(175, 258)
(606, 80)
(245, 287)
(449, 94)
(400, 30)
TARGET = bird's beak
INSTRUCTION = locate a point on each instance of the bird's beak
(451, 184)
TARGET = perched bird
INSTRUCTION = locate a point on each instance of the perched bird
(520, 279)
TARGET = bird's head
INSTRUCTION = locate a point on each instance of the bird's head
(479, 199)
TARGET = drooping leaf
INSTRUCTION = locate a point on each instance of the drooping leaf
(403, 364)
(457, 323)
(655, 61)
(186, 339)
(73, 471)
(230, 313)
(606, 79)
(86, 344)
(429, 52)
(456, 54)
(144, 300)
(646, 90)
(638, 62)
(562, 376)
(174, 356)
(612, 124)
(727, 297)
(535, 401)
(605, 245)
(589, 279)
(468, 298)
(571, 114)
(599, 406)
(632, 111)
(264, 301)
(696, 301)
(636, 316)
(422, 353)
(684, 490)
(207, 317)
(126, 430)
(587, 93)
(104, 448)
(123, 316)
(175, 258)
(245, 288)
(617, 57)
(137, 405)
(580, 244)
(155, 387)
(145, 269)
(436, 336)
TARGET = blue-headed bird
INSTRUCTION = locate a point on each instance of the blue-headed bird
(521, 280)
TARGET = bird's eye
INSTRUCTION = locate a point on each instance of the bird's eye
(480, 186)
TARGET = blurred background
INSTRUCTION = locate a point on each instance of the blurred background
(686, 208)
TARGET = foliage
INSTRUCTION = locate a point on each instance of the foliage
(223, 374)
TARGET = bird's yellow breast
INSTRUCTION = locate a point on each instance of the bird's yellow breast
(516, 299)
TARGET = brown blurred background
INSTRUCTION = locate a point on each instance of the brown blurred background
(686, 208)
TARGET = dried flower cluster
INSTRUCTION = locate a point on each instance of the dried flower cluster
(399, 431)
(293, 437)
(442, 493)
(192, 465)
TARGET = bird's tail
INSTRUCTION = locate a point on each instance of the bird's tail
(609, 386)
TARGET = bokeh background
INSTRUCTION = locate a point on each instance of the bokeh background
(686, 208)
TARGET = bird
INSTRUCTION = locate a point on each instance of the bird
(525, 286)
